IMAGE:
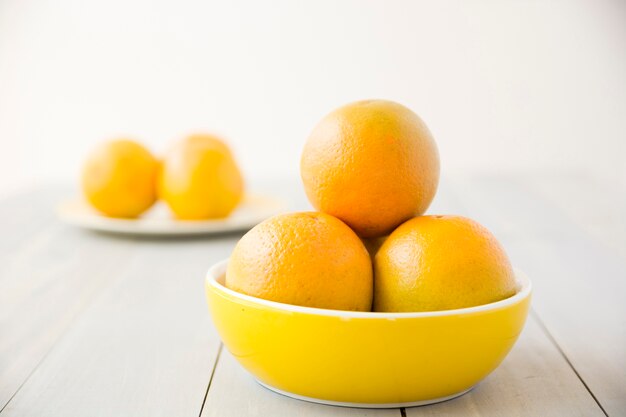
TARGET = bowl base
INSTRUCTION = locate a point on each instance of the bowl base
(363, 405)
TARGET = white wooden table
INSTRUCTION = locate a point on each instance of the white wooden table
(99, 325)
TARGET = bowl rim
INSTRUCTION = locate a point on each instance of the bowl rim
(219, 269)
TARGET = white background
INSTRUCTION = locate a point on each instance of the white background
(531, 86)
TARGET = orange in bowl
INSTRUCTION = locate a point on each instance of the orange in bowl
(305, 259)
(433, 263)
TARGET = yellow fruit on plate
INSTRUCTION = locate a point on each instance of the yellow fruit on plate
(200, 179)
(119, 178)
(432, 263)
(305, 259)
(372, 164)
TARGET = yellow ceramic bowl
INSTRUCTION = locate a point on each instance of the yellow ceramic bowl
(365, 359)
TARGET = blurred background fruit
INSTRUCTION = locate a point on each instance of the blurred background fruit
(307, 259)
(435, 263)
(200, 179)
(372, 164)
(119, 178)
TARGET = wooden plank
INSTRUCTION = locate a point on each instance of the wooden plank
(22, 216)
(234, 392)
(534, 380)
(595, 206)
(145, 347)
(48, 275)
(579, 283)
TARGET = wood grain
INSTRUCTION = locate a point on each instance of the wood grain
(145, 347)
(22, 217)
(597, 207)
(48, 275)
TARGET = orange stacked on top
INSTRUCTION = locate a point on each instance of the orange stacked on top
(373, 166)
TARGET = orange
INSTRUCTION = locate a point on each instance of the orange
(372, 164)
(200, 179)
(435, 263)
(119, 178)
(305, 259)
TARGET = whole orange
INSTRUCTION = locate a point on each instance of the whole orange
(372, 164)
(119, 178)
(305, 259)
(200, 179)
(434, 263)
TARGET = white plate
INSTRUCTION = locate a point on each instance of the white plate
(159, 221)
